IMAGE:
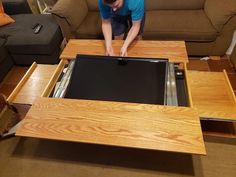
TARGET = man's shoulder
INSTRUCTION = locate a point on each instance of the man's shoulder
(137, 9)
(104, 9)
(135, 3)
(102, 5)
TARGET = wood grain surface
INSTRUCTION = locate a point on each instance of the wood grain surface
(212, 95)
(114, 123)
(54, 78)
(35, 84)
(175, 51)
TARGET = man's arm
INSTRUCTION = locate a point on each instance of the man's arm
(132, 34)
(107, 33)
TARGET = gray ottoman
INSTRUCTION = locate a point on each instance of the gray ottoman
(16, 7)
(25, 46)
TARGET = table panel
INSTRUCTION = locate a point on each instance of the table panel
(175, 51)
(143, 126)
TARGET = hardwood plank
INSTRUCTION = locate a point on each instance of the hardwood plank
(232, 78)
(175, 51)
(199, 65)
(22, 82)
(6, 89)
(212, 95)
(14, 75)
(114, 123)
(35, 85)
(220, 65)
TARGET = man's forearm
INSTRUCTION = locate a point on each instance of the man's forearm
(107, 32)
(133, 32)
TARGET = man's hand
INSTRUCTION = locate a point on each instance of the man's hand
(109, 51)
(123, 52)
(107, 32)
(132, 34)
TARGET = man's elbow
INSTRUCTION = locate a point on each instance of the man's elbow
(136, 24)
(106, 21)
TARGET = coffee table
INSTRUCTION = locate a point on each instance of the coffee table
(156, 127)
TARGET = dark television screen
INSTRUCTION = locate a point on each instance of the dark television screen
(118, 79)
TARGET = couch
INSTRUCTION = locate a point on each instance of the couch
(207, 26)
(22, 43)
(10, 7)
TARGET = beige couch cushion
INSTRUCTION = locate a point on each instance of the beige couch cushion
(160, 4)
(191, 25)
(220, 11)
(69, 9)
(91, 26)
(92, 5)
(174, 4)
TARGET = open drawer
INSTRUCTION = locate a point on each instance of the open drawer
(215, 101)
(212, 95)
(36, 82)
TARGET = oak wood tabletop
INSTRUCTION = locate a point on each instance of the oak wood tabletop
(175, 51)
(132, 125)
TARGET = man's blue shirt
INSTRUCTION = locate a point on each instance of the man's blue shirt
(135, 8)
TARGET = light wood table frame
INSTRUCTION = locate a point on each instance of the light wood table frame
(155, 127)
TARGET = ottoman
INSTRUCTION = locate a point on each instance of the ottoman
(25, 46)
(12, 7)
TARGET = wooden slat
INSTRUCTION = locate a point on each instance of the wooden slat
(212, 96)
(175, 51)
(48, 89)
(230, 88)
(188, 89)
(35, 84)
(115, 123)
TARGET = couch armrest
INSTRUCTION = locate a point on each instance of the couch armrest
(220, 11)
(13, 7)
(65, 27)
(74, 11)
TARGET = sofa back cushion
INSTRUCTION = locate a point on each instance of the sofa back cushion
(161, 4)
(74, 11)
(174, 4)
(220, 11)
(92, 5)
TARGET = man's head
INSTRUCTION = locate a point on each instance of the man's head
(114, 4)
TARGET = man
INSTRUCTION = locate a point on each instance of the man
(117, 17)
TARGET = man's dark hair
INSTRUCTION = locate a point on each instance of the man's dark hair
(109, 1)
